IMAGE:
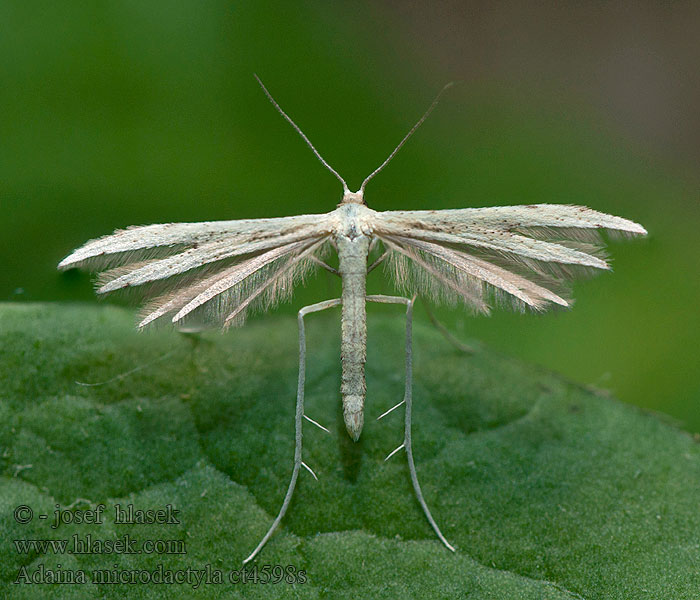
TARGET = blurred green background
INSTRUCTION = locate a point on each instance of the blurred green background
(132, 112)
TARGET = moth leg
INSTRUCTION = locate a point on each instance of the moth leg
(462, 347)
(408, 399)
(377, 262)
(326, 266)
(298, 420)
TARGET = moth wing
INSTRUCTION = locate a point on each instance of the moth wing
(522, 253)
(510, 218)
(206, 270)
(185, 248)
(224, 298)
(143, 242)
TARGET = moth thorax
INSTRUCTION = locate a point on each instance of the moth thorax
(357, 197)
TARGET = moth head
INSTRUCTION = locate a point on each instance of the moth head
(357, 197)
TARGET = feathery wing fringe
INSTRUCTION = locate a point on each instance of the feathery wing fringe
(484, 276)
(276, 286)
(505, 242)
(211, 299)
(236, 275)
(168, 303)
(413, 272)
(556, 242)
(145, 242)
(514, 230)
(204, 289)
(207, 269)
(193, 258)
(525, 251)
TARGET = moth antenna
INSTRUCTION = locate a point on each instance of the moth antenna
(302, 134)
(408, 135)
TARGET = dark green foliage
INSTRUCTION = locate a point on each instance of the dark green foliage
(548, 490)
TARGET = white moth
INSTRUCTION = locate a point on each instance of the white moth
(216, 272)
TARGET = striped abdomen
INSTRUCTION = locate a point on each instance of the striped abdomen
(352, 257)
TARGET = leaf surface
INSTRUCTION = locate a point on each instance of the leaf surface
(547, 489)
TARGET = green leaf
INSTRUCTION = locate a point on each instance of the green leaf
(548, 490)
